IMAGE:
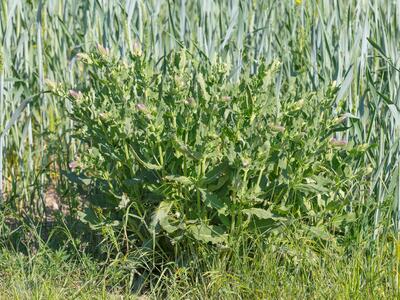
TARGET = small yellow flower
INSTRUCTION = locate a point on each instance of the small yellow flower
(298, 2)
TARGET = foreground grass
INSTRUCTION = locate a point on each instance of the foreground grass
(49, 275)
(289, 267)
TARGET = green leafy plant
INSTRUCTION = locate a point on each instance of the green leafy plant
(182, 153)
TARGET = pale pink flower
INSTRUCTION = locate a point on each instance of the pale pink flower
(277, 128)
(338, 143)
(73, 165)
(141, 107)
(75, 94)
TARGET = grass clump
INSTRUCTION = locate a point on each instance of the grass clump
(285, 265)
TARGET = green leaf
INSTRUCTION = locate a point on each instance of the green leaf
(160, 216)
(311, 187)
(184, 149)
(80, 179)
(319, 232)
(133, 182)
(202, 85)
(145, 164)
(214, 174)
(180, 179)
(88, 216)
(213, 201)
(262, 214)
(208, 233)
(346, 218)
(377, 47)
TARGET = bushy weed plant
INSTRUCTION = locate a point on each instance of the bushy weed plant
(181, 153)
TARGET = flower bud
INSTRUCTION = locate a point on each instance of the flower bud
(103, 51)
(73, 165)
(104, 116)
(51, 84)
(298, 105)
(75, 94)
(277, 128)
(85, 58)
(246, 162)
(180, 83)
(141, 107)
(340, 119)
(368, 170)
(338, 143)
(362, 147)
(137, 49)
(190, 101)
